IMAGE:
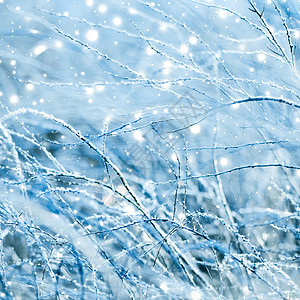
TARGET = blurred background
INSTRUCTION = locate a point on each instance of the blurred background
(149, 150)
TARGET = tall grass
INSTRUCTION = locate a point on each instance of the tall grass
(149, 150)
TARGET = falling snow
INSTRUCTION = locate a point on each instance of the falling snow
(149, 150)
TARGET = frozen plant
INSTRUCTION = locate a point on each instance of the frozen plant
(149, 150)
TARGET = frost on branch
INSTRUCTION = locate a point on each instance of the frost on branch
(149, 150)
